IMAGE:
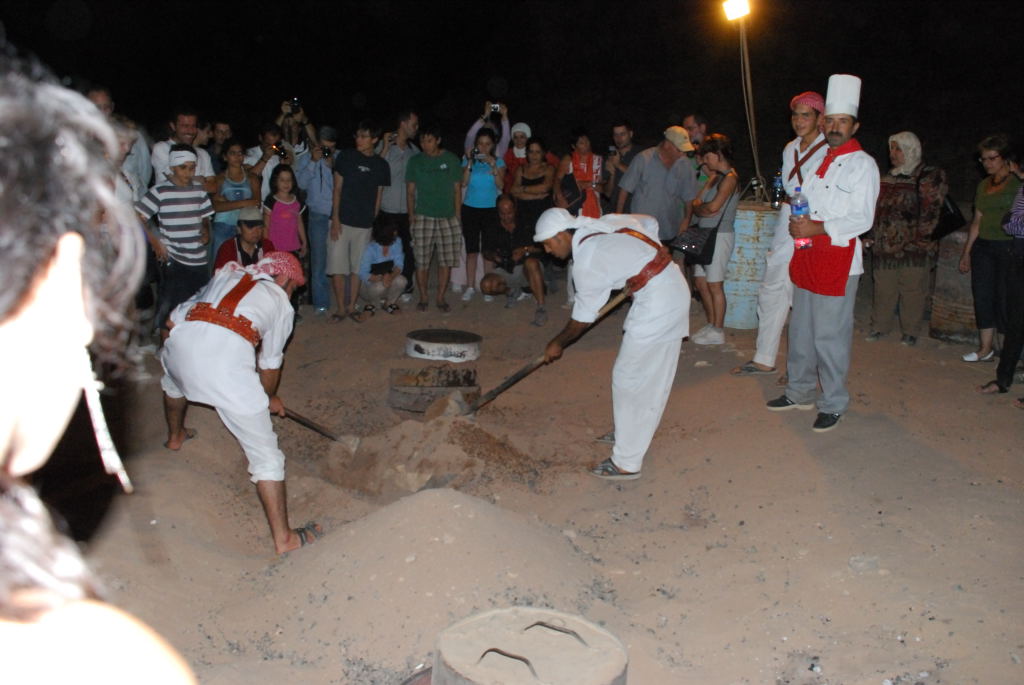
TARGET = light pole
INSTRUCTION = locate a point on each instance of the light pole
(739, 9)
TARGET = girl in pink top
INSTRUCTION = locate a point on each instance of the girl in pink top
(283, 212)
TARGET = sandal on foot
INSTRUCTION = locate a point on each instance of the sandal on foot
(336, 318)
(1019, 403)
(355, 316)
(991, 388)
(751, 369)
(422, 306)
(444, 307)
(609, 471)
(189, 434)
(308, 533)
(392, 309)
(369, 309)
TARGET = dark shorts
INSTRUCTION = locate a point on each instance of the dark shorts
(480, 228)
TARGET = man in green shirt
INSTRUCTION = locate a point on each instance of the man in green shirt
(433, 181)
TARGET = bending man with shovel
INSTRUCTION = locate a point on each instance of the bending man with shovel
(613, 252)
(225, 349)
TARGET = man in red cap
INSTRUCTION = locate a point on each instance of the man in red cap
(827, 262)
(208, 358)
(800, 158)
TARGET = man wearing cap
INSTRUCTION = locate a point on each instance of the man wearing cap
(660, 182)
(827, 262)
(315, 175)
(800, 158)
(613, 252)
(225, 349)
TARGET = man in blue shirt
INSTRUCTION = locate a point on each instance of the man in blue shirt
(315, 174)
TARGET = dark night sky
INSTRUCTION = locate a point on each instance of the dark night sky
(948, 71)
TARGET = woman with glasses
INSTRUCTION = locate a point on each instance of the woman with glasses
(989, 249)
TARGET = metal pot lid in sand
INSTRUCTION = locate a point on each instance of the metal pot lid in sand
(443, 344)
(528, 645)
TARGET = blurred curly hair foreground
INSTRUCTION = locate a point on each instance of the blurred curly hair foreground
(57, 177)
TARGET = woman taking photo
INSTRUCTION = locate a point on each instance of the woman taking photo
(532, 185)
(988, 247)
(483, 177)
(715, 206)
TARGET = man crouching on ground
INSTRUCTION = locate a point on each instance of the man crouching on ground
(610, 253)
(208, 358)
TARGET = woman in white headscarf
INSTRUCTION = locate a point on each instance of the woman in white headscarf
(909, 201)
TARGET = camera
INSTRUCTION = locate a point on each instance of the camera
(279, 151)
(392, 137)
(295, 105)
(325, 151)
(475, 152)
(496, 107)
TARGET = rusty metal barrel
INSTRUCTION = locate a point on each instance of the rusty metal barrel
(528, 645)
(952, 315)
(754, 227)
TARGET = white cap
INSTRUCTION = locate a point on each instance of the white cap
(843, 95)
(552, 222)
(521, 127)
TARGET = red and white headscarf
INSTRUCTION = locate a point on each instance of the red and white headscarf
(281, 264)
(811, 99)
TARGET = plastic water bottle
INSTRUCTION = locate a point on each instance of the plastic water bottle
(798, 207)
(778, 191)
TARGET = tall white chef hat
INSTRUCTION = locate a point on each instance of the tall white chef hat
(843, 94)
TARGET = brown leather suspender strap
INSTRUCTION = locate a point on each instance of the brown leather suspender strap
(654, 267)
(224, 313)
(798, 162)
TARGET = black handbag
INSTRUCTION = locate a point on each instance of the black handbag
(698, 242)
(950, 219)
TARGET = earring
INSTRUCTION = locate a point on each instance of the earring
(92, 385)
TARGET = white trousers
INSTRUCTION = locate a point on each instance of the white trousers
(774, 298)
(254, 432)
(641, 382)
(775, 295)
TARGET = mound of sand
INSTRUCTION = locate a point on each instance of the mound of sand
(444, 452)
(366, 602)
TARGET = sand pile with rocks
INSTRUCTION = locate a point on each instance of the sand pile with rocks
(365, 604)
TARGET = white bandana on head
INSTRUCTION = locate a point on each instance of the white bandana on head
(179, 157)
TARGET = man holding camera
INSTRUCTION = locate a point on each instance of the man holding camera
(271, 151)
(315, 175)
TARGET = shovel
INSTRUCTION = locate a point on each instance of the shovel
(533, 365)
(313, 425)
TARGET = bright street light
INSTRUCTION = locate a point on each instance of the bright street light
(736, 9)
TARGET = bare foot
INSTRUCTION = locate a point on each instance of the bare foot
(990, 388)
(300, 537)
(1019, 403)
(174, 442)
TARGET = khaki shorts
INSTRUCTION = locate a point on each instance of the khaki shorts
(345, 253)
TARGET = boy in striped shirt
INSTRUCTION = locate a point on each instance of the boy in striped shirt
(183, 211)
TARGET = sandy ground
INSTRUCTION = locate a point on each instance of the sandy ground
(752, 550)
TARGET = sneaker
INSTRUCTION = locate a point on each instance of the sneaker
(540, 317)
(609, 471)
(608, 438)
(488, 298)
(825, 422)
(456, 288)
(783, 403)
(406, 297)
(709, 336)
(320, 311)
(908, 340)
(874, 336)
(468, 294)
(975, 357)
